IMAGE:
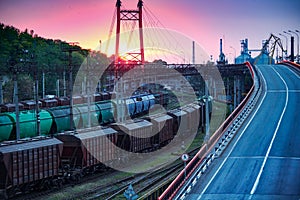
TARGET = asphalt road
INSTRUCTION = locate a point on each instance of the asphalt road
(263, 160)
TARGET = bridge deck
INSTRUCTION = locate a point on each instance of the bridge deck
(263, 160)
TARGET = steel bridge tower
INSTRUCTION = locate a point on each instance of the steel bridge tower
(130, 15)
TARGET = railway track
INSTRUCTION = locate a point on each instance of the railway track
(115, 188)
(29, 195)
(141, 182)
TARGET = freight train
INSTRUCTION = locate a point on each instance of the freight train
(43, 162)
(54, 114)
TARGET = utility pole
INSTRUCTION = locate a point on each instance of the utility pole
(70, 49)
(16, 101)
(43, 83)
(206, 99)
(88, 90)
(36, 91)
(14, 69)
(64, 82)
(57, 88)
(71, 88)
(1, 90)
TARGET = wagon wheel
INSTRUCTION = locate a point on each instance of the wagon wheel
(77, 178)
(25, 188)
(59, 183)
(46, 185)
(42, 185)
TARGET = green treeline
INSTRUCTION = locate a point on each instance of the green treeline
(29, 56)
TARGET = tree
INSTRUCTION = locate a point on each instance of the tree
(33, 54)
(25, 88)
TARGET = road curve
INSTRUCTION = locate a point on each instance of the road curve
(263, 160)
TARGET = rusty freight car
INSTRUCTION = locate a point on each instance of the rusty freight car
(28, 164)
(84, 151)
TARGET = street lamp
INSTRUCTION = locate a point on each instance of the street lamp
(297, 43)
(183, 54)
(286, 42)
(298, 47)
(287, 33)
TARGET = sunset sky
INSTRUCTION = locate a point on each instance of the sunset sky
(88, 21)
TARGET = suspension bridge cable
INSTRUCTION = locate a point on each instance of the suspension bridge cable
(111, 30)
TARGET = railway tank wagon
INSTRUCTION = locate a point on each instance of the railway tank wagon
(131, 107)
(89, 115)
(6, 127)
(28, 124)
(148, 102)
(28, 164)
(107, 111)
(138, 101)
(61, 118)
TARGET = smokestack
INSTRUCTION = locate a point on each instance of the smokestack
(292, 48)
(221, 47)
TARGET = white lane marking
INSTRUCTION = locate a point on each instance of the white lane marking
(284, 158)
(246, 157)
(262, 157)
(213, 177)
(290, 91)
(273, 138)
(293, 72)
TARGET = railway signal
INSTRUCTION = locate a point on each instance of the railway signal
(184, 158)
(130, 194)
